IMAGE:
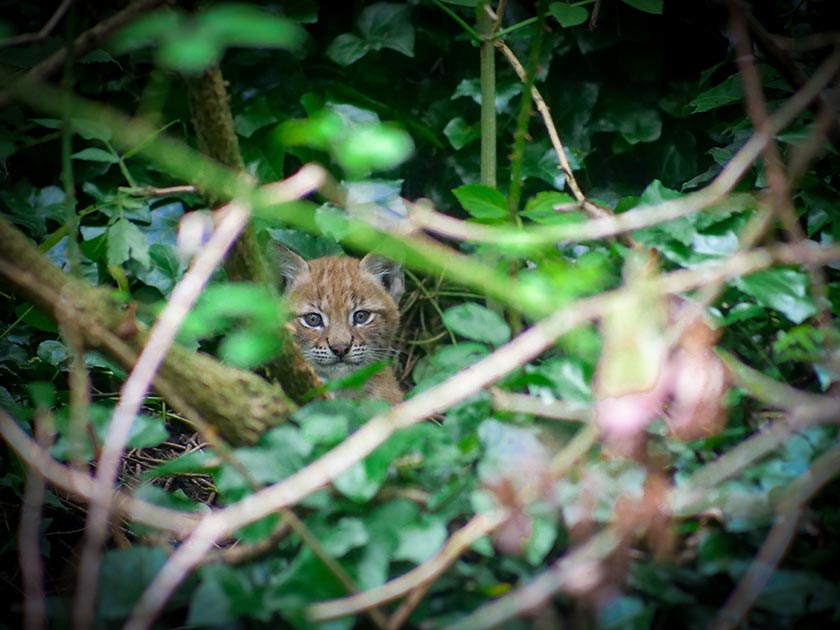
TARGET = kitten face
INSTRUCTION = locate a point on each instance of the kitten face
(344, 310)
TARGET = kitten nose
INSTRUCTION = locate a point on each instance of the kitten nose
(340, 349)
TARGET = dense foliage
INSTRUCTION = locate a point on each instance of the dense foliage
(622, 467)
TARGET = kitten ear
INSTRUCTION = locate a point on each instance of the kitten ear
(291, 265)
(389, 273)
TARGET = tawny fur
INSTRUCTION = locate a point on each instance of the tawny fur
(335, 288)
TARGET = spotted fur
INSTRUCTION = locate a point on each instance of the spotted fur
(345, 315)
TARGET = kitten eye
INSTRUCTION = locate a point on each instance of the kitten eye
(361, 318)
(312, 320)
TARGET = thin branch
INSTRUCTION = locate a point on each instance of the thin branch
(42, 33)
(790, 509)
(790, 69)
(82, 45)
(643, 216)
(555, 409)
(542, 107)
(29, 533)
(478, 526)
(579, 564)
(517, 352)
(233, 219)
(81, 486)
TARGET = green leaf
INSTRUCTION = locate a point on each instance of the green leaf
(729, 91)
(460, 133)
(344, 536)
(324, 422)
(784, 290)
(126, 241)
(387, 25)
(541, 208)
(248, 348)
(568, 15)
(477, 322)
(146, 30)
(245, 25)
(481, 201)
(363, 480)
(201, 462)
(505, 91)
(543, 535)
(256, 115)
(373, 147)
(191, 52)
(92, 154)
(648, 6)
(420, 540)
(53, 352)
(145, 431)
(210, 604)
(346, 49)
(91, 129)
(123, 576)
(165, 269)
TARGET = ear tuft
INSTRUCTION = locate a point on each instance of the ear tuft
(389, 273)
(290, 264)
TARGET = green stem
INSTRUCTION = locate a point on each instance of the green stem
(488, 98)
(526, 107)
(469, 29)
(71, 220)
(510, 29)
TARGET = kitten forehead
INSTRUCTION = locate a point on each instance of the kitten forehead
(335, 282)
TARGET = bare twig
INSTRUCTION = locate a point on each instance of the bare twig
(555, 409)
(779, 56)
(479, 525)
(234, 217)
(579, 564)
(29, 534)
(80, 484)
(40, 34)
(643, 216)
(83, 44)
(542, 107)
(790, 509)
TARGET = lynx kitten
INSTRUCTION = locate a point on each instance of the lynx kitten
(345, 316)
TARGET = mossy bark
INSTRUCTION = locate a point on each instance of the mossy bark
(246, 262)
(240, 405)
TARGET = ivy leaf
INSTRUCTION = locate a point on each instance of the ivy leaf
(53, 352)
(362, 481)
(460, 133)
(729, 91)
(568, 15)
(92, 154)
(126, 241)
(386, 25)
(648, 6)
(477, 322)
(346, 49)
(347, 534)
(542, 207)
(164, 271)
(784, 290)
(481, 201)
(418, 541)
(127, 573)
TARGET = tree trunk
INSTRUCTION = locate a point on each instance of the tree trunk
(246, 262)
(237, 403)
